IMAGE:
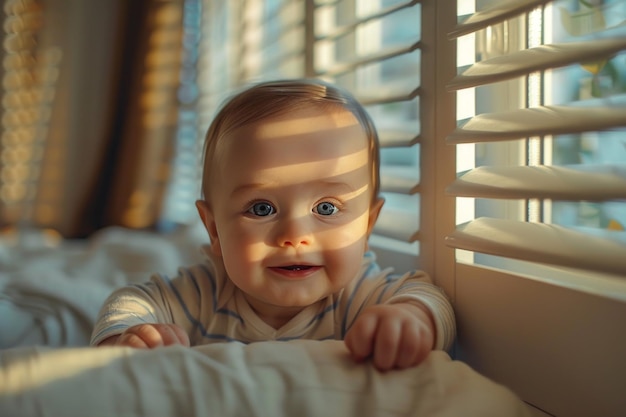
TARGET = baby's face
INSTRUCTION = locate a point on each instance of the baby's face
(291, 207)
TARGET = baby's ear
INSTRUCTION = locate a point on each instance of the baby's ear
(206, 214)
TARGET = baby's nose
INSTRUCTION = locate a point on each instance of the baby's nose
(294, 232)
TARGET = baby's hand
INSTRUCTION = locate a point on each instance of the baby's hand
(393, 335)
(150, 336)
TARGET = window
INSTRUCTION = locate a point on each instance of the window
(541, 197)
(570, 150)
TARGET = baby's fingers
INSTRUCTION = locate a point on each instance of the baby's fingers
(179, 336)
(360, 338)
(388, 339)
(411, 348)
(141, 336)
(153, 335)
(168, 334)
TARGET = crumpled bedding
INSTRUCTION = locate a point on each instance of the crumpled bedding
(299, 378)
(51, 289)
(50, 293)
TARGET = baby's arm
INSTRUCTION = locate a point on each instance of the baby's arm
(394, 335)
(150, 314)
(149, 336)
(400, 321)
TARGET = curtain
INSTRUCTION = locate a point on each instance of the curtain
(89, 108)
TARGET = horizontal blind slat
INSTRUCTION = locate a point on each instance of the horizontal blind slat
(283, 35)
(543, 57)
(398, 138)
(599, 183)
(324, 3)
(385, 53)
(279, 8)
(497, 13)
(399, 225)
(401, 180)
(343, 30)
(538, 121)
(281, 57)
(388, 95)
(542, 243)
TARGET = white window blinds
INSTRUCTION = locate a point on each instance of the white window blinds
(245, 41)
(555, 153)
(272, 43)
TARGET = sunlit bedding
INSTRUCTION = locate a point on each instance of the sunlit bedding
(51, 290)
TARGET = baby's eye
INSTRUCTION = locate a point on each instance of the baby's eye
(326, 209)
(262, 209)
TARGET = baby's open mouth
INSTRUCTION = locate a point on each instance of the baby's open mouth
(296, 271)
(296, 267)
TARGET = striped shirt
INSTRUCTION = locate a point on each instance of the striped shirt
(204, 301)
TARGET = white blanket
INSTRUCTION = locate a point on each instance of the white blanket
(49, 296)
(273, 379)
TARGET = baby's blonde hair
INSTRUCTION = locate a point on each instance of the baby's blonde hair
(273, 98)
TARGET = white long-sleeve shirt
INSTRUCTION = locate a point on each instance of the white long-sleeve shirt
(204, 301)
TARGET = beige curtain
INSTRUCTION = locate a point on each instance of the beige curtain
(88, 112)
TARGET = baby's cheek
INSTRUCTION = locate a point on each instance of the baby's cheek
(242, 248)
(350, 232)
(345, 263)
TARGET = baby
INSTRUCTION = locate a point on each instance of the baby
(291, 195)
